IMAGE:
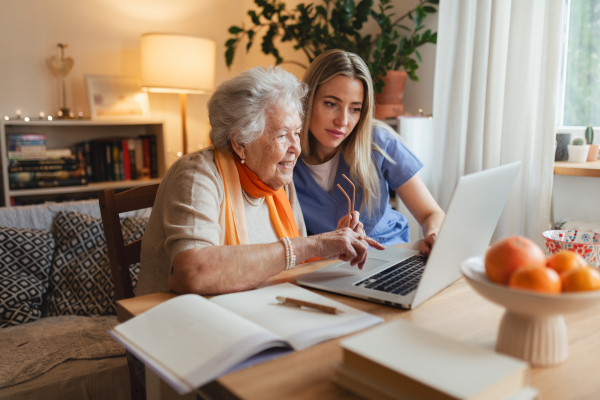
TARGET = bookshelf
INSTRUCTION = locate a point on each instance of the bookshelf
(65, 133)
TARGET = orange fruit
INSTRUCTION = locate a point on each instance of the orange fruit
(509, 254)
(566, 260)
(579, 279)
(537, 279)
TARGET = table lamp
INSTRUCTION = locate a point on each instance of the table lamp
(173, 63)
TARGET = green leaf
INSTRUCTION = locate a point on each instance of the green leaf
(254, 17)
(434, 1)
(320, 10)
(235, 29)
(231, 42)
(429, 9)
(418, 56)
(268, 11)
(229, 56)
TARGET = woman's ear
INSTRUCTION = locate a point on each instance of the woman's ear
(239, 149)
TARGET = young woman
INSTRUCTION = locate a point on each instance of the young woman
(338, 137)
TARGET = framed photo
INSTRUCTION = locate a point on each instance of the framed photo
(115, 97)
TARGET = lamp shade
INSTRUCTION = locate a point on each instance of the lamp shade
(177, 63)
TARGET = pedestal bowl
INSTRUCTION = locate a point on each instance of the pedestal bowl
(533, 327)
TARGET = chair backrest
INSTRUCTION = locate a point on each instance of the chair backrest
(121, 256)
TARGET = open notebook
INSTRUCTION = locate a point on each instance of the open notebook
(189, 340)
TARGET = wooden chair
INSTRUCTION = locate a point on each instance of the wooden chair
(121, 256)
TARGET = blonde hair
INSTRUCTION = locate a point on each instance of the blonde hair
(358, 146)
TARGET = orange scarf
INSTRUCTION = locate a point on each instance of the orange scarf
(237, 176)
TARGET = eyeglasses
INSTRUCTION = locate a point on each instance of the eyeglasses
(350, 205)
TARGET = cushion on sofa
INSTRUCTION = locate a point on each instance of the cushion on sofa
(25, 258)
(80, 276)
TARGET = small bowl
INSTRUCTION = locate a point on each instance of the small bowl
(533, 327)
(587, 244)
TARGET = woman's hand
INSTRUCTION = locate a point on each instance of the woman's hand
(346, 245)
(354, 224)
(427, 243)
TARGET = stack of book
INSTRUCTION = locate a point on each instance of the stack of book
(399, 360)
(43, 173)
(31, 165)
(23, 146)
(118, 159)
(32, 146)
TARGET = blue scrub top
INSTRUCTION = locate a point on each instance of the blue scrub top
(322, 210)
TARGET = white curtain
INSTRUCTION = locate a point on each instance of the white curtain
(495, 100)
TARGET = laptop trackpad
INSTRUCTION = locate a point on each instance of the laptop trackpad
(369, 265)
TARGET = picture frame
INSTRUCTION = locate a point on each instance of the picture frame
(116, 97)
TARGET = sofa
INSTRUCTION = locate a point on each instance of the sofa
(57, 303)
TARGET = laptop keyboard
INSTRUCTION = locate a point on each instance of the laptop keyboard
(401, 278)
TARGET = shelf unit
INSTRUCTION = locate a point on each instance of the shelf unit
(64, 133)
(589, 168)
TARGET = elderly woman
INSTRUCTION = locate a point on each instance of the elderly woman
(227, 218)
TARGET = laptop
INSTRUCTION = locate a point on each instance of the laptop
(404, 278)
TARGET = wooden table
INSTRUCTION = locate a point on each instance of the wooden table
(590, 168)
(457, 312)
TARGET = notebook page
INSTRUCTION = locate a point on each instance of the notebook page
(301, 328)
(189, 341)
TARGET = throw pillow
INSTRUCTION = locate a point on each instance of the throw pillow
(80, 278)
(25, 257)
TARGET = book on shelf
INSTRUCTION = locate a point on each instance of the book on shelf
(47, 184)
(26, 143)
(125, 158)
(400, 360)
(30, 176)
(189, 340)
(41, 162)
(38, 154)
(140, 171)
(153, 157)
(131, 157)
(42, 167)
(118, 159)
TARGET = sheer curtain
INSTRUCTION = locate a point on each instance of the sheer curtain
(495, 101)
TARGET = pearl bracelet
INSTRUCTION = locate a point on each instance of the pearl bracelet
(290, 257)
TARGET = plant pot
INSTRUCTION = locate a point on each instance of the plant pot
(578, 154)
(593, 153)
(562, 141)
(388, 104)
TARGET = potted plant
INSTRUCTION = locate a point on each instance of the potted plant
(578, 151)
(594, 148)
(338, 24)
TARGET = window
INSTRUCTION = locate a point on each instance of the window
(581, 66)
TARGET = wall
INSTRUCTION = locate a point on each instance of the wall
(103, 38)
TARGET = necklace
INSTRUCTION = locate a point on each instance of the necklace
(256, 203)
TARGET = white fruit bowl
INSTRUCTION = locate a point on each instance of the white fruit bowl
(533, 327)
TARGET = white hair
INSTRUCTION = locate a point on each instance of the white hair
(239, 106)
